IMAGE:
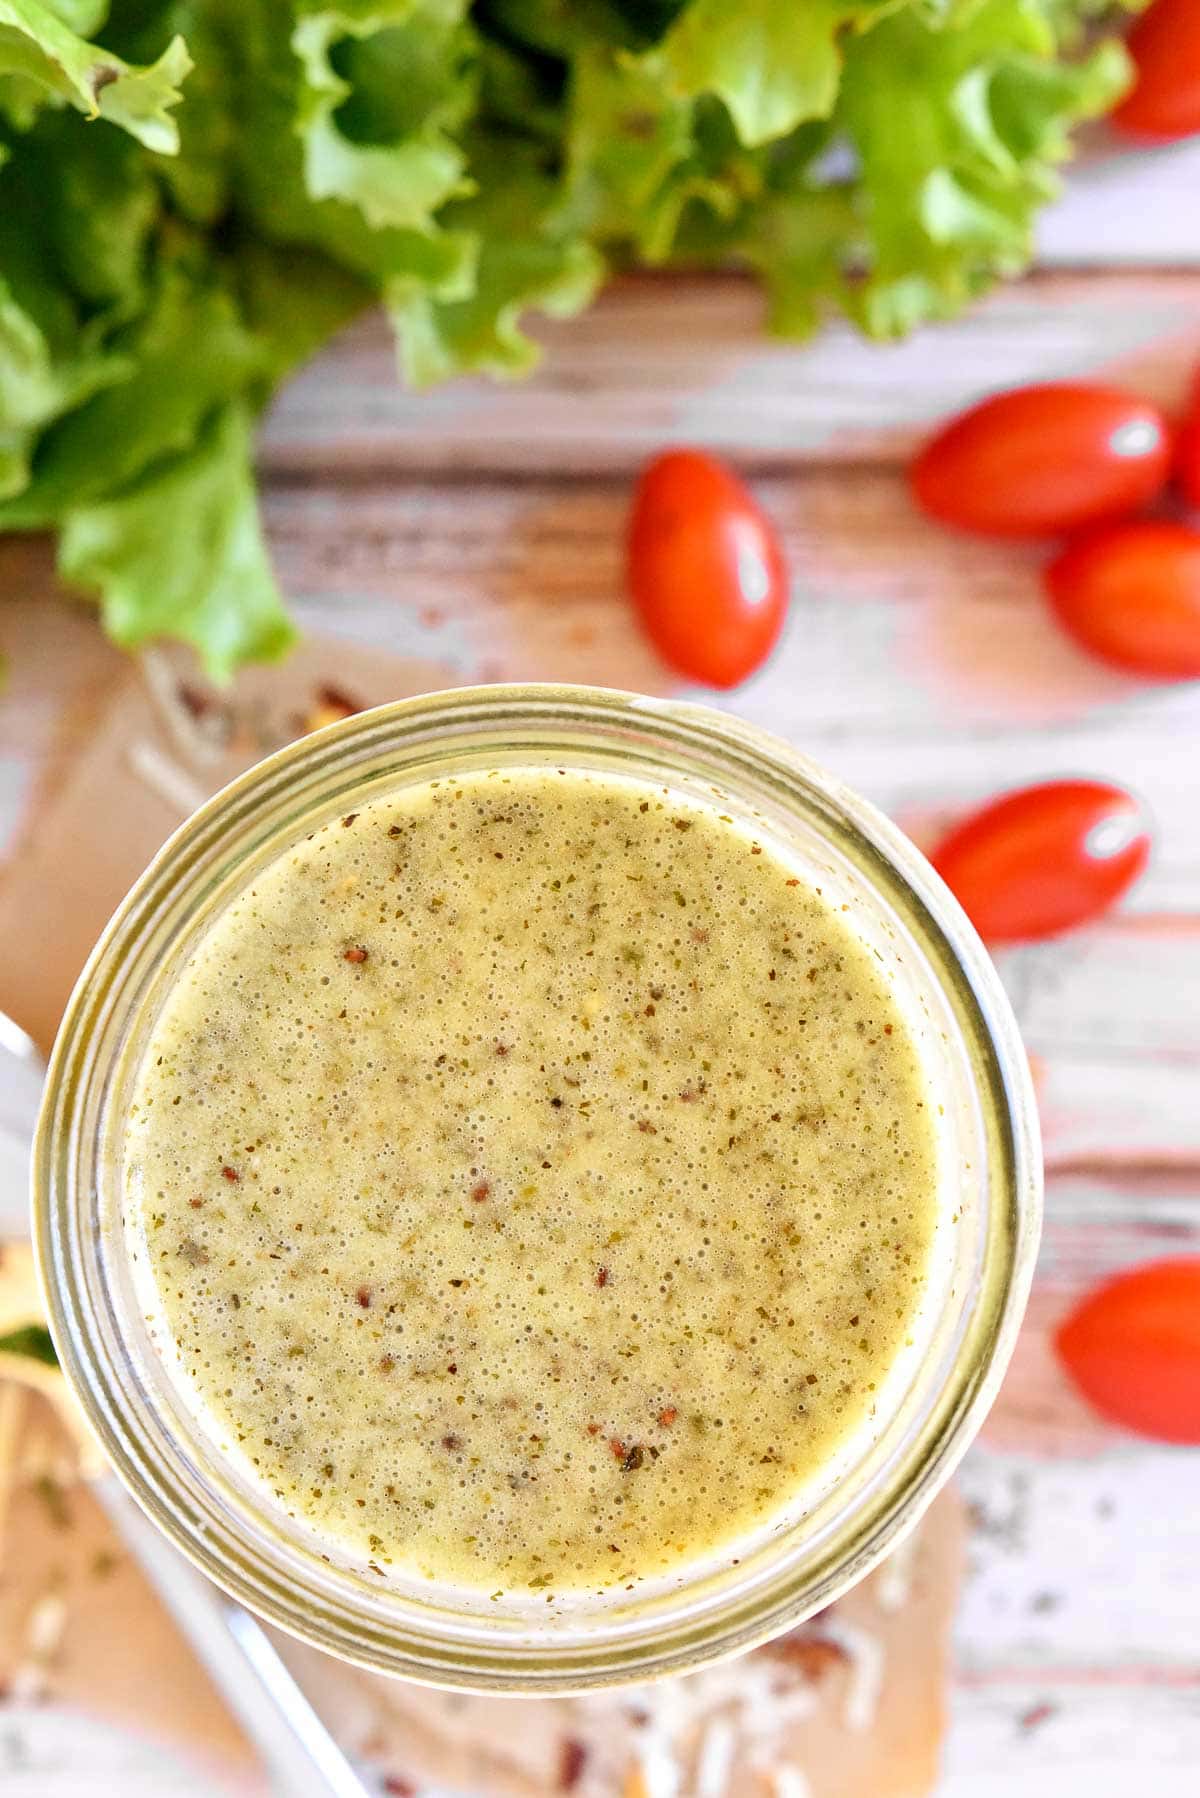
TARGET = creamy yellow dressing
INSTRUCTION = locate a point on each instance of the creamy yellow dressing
(537, 1179)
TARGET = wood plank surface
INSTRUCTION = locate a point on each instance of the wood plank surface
(664, 358)
(667, 357)
(479, 527)
(1125, 205)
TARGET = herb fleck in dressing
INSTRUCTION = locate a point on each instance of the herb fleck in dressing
(537, 1179)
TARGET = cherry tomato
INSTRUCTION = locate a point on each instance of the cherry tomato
(1187, 451)
(1164, 101)
(706, 570)
(1187, 462)
(1045, 858)
(1133, 1349)
(1044, 459)
(1131, 594)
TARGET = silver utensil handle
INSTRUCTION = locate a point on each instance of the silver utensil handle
(301, 1756)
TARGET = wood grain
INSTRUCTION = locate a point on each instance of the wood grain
(1125, 205)
(664, 358)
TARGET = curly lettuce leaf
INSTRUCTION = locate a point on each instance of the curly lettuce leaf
(957, 130)
(799, 243)
(292, 300)
(774, 63)
(563, 27)
(525, 261)
(884, 157)
(627, 138)
(95, 214)
(87, 17)
(180, 554)
(382, 94)
(51, 357)
(197, 177)
(41, 55)
(189, 352)
(270, 181)
(21, 97)
(454, 281)
(37, 387)
(520, 94)
(639, 157)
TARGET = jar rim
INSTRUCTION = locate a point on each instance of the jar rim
(112, 1374)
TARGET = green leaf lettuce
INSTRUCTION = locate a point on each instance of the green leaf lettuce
(181, 553)
(194, 194)
(41, 56)
(32, 1341)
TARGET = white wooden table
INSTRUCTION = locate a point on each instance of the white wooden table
(481, 526)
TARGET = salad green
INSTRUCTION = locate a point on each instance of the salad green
(194, 194)
(32, 1340)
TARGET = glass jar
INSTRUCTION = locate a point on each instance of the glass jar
(931, 1403)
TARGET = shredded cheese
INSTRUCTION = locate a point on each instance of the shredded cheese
(867, 1660)
(43, 1635)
